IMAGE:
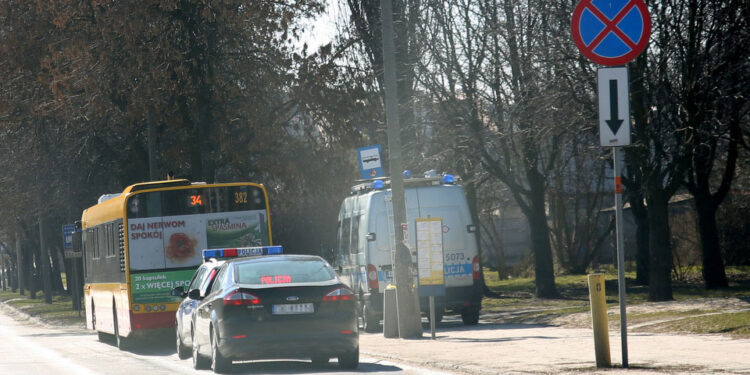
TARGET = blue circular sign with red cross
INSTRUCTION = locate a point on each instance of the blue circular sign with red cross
(611, 32)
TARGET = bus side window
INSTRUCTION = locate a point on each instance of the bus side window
(102, 237)
(86, 234)
(95, 243)
(110, 240)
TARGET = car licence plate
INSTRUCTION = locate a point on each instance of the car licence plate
(293, 308)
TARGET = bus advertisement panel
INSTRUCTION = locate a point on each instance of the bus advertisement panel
(161, 248)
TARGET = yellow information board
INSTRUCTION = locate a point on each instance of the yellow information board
(430, 267)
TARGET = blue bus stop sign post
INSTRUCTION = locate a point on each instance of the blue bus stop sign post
(370, 164)
(72, 252)
(67, 231)
(611, 32)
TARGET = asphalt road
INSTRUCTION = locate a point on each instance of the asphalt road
(28, 348)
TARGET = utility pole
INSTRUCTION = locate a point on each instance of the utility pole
(409, 320)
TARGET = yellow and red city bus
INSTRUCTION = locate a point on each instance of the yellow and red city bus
(140, 244)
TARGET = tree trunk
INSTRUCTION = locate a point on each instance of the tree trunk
(471, 198)
(58, 257)
(660, 266)
(20, 268)
(714, 274)
(540, 241)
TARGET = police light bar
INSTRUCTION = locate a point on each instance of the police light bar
(241, 252)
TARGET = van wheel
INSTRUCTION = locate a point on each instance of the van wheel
(470, 316)
(370, 322)
(438, 315)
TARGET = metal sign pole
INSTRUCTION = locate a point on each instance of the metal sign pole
(620, 254)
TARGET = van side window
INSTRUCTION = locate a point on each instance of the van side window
(354, 247)
(345, 227)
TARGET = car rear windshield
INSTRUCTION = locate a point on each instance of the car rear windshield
(286, 271)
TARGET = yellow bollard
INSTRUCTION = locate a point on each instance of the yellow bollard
(599, 317)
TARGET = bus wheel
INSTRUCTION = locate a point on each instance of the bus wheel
(119, 341)
(101, 336)
(370, 322)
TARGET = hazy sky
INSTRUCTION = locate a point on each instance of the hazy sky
(323, 28)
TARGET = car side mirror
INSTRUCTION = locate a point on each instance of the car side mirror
(194, 294)
(179, 291)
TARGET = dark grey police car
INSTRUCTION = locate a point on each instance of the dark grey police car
(274, 307)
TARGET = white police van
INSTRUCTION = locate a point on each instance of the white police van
(364, 256)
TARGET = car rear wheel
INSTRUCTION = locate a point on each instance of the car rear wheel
(182, 350)
(319, 360)
(218, 363)
(199, 362)
(349, 360)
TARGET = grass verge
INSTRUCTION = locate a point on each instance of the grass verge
(59, 312)
(734, 324)
(694, 309)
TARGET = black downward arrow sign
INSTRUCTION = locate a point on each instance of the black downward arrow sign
(614, 121)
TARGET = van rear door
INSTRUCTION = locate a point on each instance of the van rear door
(459, 246)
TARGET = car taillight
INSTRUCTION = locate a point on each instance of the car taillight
(339, 294)
(372, 276)
(239, 298)
(475, 268)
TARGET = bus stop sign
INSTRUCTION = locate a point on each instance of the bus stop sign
(611, 32)
(370, 165)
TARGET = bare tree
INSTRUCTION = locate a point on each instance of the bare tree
(492, 65)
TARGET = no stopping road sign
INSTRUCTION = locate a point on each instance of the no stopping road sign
(611, 32)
